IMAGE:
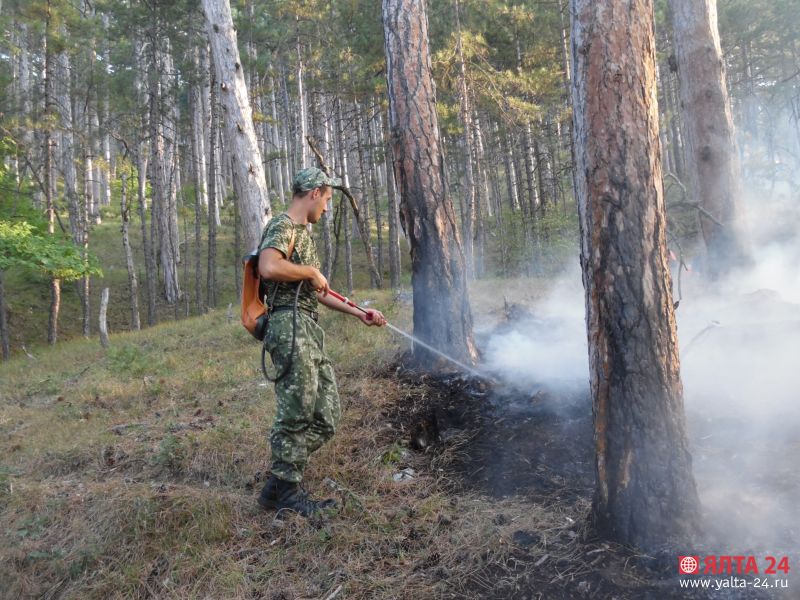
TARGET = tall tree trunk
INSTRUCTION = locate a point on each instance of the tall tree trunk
(278, 145)
(198, 116)
(510, 171)
(213, 207)
(645, 494)
(147, 242)
(49, 174)
(198, 169)
(465, 114)
(249, 183)
(161, 181)
(676, 148)
(348, 245)
(711, 156)
(327, 218)
(302, 114)
(26, 94)
(372, 170)
(67, 144)
(365, 229)
(142, 153)
(133, 284)
(442, 315)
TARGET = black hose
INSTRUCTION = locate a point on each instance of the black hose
(288, 365)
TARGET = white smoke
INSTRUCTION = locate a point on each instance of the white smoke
(548, 347)
(740, 366)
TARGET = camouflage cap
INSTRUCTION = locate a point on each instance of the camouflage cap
(311, 178)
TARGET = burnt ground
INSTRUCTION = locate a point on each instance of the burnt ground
(535, 448)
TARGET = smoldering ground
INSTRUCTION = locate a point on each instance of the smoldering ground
(740, 343)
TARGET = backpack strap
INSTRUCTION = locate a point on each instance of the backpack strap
(291, 241)
(290, 251)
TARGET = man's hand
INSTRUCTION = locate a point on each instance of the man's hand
(319, 283)
(372, 317)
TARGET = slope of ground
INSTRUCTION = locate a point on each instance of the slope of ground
(132, 473)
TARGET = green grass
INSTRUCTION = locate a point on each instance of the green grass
(132, 471)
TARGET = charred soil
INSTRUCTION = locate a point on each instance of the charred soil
(529, 453)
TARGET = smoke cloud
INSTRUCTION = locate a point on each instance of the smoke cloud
(740, 366)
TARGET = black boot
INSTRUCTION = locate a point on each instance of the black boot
(279, 494)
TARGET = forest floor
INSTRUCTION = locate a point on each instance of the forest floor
(132, 472)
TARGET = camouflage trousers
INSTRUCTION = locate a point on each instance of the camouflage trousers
(308, 408)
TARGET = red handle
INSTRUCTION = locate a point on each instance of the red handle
(349, 302)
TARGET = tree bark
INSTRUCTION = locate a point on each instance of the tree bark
(442, 315)
(645, 493)
(103, 320)
(249, 182)
(711, 156)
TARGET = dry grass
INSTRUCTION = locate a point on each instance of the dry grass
(133, 472)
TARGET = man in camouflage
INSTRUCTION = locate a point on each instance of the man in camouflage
(308, 408)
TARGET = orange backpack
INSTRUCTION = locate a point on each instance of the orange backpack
(255, 309)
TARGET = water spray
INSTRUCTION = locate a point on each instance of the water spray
(414, 340)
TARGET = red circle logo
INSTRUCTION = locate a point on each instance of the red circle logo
(688, 565)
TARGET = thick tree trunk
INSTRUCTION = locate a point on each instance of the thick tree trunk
(645, 493)
(711, 156)
(249, 183)
(442, 315)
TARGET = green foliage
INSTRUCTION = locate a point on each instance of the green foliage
(24, 240)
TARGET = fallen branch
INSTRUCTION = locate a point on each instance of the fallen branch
(334, 593)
